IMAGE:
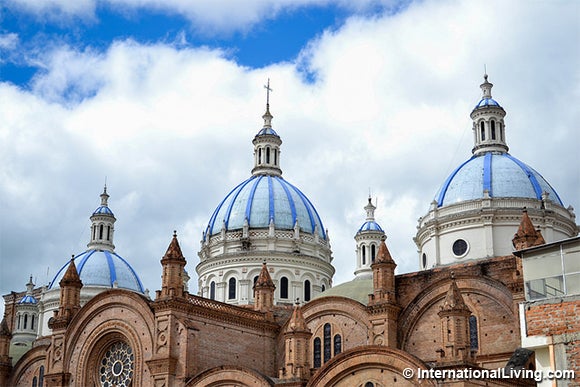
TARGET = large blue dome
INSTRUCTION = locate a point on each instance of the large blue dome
(502, 175)
(260, 199)
(102, 268)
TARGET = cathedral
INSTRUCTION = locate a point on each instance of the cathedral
(486, 299)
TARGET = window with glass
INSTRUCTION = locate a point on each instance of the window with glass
(232, 289)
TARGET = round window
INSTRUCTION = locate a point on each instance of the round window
(424, 260)
(116, 368)
(460, 248)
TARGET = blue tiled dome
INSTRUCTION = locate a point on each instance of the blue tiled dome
(102, 268)
(486, 102)
(261, 198)
(502, 175)
(370, 225)
(267, 130)
(103, 210)
(28, 299)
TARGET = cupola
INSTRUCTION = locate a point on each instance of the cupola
(488, 123)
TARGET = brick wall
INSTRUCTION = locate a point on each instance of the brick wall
(560, 319)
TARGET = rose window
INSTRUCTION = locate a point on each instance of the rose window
(116, 367)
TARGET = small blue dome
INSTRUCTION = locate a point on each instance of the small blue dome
(486, 102)
(502, 175)
(103, 210)
(102, 268)
(28, 299)
(370, 225)
(260, 199)
(267, 130)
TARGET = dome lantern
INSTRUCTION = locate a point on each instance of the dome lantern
(267, 144)
(488, 123)
(102, 226)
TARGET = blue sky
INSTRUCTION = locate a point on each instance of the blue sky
(163, 98)
(276, 38)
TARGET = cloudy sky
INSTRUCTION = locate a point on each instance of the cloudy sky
(162, 99)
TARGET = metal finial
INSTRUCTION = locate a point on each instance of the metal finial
(175, 233)
(268, 90)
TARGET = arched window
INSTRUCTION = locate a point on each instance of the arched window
(25, 321)
(473, 340)
(34, 382)
(323, 287)
(500, 131)
(327, 343)
(212, 290)
(337, 344)
(492, 129)
(41, 376)
(364, 255)
(94, 232)
(267, 155)
(32, 322)
(307, 290)
(259, 155)
(317, 351)
(232, 289)
(108, 233)
(101, 231)
(284, 287)
(373, 252)
(482, 125)
(275, 156)
(369, 384)
(18, 324)
(255, 280)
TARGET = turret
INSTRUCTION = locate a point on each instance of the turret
(454, 316)
(264, 291)
(383, 304)
(527, 235)
(70, 297)
(173, 262)
(5, 359)
(296, 343)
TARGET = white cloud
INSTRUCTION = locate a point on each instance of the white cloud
(8, 41)
(171, 129)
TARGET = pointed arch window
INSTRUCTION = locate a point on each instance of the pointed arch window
(337, 344)
(473, 339)
(373, 252)
(327, 343)
(232, 289)
(284, 287)
(323, 288)
(41, 377)
(317, 353)
(212, 290)
(34, 382)
(492, 129)
(307, 290)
